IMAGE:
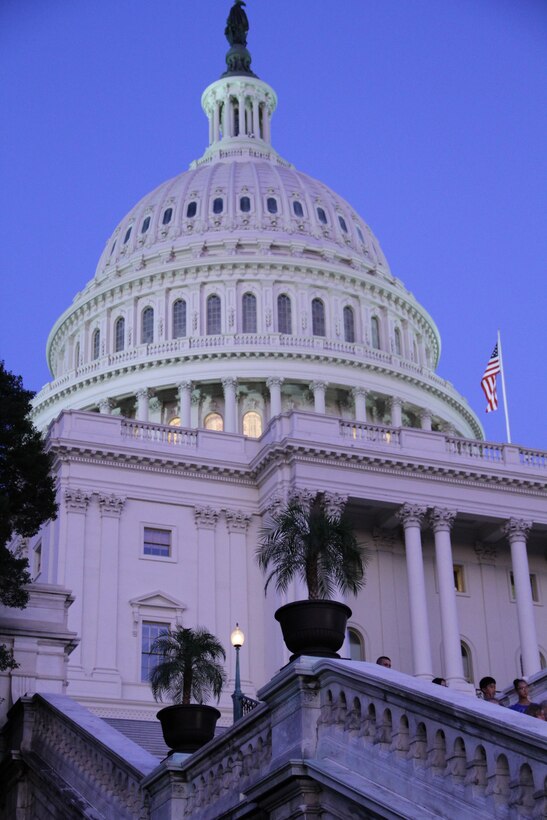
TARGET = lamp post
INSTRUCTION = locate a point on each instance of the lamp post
(237, 639)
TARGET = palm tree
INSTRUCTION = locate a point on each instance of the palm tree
(189, 667)
(312, 544)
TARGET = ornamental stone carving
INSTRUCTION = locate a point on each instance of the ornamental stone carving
(333, 504)
(303, 497)
(411, 515)
(206, 518)
(441, 519)
(111, 504)
(486, 553)
(318, 385)
(274, 381)
(76, 500)
(237, 520)
(517, 529)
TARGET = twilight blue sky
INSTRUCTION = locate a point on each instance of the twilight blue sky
(428, 116)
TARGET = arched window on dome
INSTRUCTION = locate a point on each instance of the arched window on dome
(415, 351)
(214, 315)
(322, 216)
(284, 314)
(147, 325)
(245, 204)
(214, 421)
(356, 645)
(119, 334)
(167, 216)
(375, 332)
(252, 424)
(318, 317)
(349, 324)
(218, 205)
(127, 235)
(179, 318)
(343, 223)
(360, 234)
(192, 209)
(271, 205)
(96, 344)
(298, 210)
(77, 355)
(248, 305)
(112, 247)
(398, 345)
(467, 662)
(145, 225)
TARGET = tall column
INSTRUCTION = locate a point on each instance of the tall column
(237, 523)
(425, 419)
(256, 125)
(106, 615)
(241, 114)
(185, 403)
(230, 415)
(360, 398)
(411, 517)
(319, 390)
(142, 404)
(266, 124)
(517, 531)
(105, 406)
(206, 521)
(441, 521)
(274, 386)
(396, 411)
(216, 122)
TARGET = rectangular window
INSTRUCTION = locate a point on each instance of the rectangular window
(37, 561)
(157, 542)
(150, 631)
(459, 578)
(533, 586)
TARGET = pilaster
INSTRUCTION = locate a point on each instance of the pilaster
(411, 517)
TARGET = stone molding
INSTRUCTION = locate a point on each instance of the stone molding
(205, 518)
(517, 529)
(237, 520)
(411, 515)
(441, 519)
(77, 500)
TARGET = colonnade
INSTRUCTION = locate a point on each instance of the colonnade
(441, 520)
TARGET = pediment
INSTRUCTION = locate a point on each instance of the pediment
(158, 599)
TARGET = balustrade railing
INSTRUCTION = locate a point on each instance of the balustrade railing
(158, 433)
(474, 449)
(370, 433)
(533, 458)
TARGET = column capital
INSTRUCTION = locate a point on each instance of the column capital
(358, 391)
(143, 393)
(274, 381)
(76, 500)
(425, 413)
(318, 385)
(184, 385)
(205, 517)
(237, 520)
(111, 505)
(105, 406)
(517, 529)
(411, 515)
(228, 382)
(302, 496)
(395, 401)
(333, 504)
(441, 519)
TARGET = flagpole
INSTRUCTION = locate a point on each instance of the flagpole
(502, 370)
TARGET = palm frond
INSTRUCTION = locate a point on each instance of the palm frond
(189, 666)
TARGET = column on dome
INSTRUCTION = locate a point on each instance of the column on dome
(142, 404)
(106, 613)
(425, 419)
(441, 521)
(241, 114)
(229, 386)
(216, 121)
(274, 386)
(319, 389)
(206, 521)
(256, 124)
(185, 403)
(411, 517)
(105, 406)
(517, 531)
(360, 398)
(396, 411)
(267, 137)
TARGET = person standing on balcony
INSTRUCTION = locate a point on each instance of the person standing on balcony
(487, 686)
(521, 688)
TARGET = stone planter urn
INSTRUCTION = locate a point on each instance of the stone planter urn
(314, 627)
(188, 727)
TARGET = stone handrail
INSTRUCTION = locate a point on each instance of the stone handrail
(474, 449)
(158, 433)
(360, 431)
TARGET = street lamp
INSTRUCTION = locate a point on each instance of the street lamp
(237, 639)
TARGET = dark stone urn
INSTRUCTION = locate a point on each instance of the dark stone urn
(187, 728)
(315, 628)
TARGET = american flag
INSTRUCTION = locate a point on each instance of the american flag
(488, 381)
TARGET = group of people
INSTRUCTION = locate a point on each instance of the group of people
(487, 686)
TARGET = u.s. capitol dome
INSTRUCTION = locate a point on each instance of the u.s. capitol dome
(243, 288)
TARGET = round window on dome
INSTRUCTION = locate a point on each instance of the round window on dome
(245, 204)
(271, 204)
(343, 224)
(218, 205)
(297, 208)
(321, 216)
(145, 225)
(127, 235)
(167, 216)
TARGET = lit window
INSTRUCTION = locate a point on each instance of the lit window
(213, 315)
(467, 663)
(149, 660)
(284, 318)
(167, 216)
(249, 313)
(398, 346)
(349, 324)
(218, 205)
(119, 334)
(157, 542)
(459, 578)
(191, 210)
(375, 332)
(343, 224)
(245, 204)
(360, 234)
(321, 216)
(356, 646)
(297, 208)
(96, 344)
(271, 204)
(252, 424)
(533, 587)
(318, 317)
(127, 235)
(147, 325)
(179, 318)
(214, 421)
(145, 225)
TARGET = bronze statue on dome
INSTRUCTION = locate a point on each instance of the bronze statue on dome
(237, 25)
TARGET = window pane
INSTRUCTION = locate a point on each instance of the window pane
(252, 424)
(218, 205)
(191, 209)
(96, 344)
(297, 208)
(214, 421)
(360, 234)
(213, 315)
(179, 319)
(147, 325)
(245, 204)
(157, 542)
(167, 216)
(127, 235)
(342, 222)
(356, 649)
(119, 343)
(249, 313)
(145, 225)
(349, 325)
(150, 631)
(321, 215)
(318, 317)
(284, 318)
(397, 341)
(375, 332)
(271, 204)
